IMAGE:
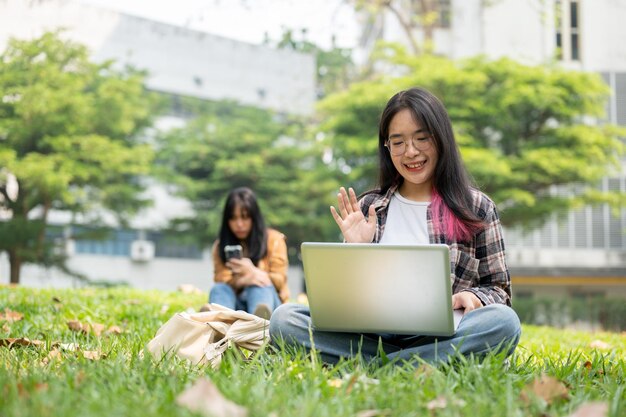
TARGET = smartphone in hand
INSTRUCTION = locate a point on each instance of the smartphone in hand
(233, 251)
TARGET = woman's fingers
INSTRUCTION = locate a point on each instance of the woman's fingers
(347, 207)
(336, 216)
(354, 204)
(347, 202)
(371, 216)
(342, 202)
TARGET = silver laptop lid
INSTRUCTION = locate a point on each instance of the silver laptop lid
(375, 288)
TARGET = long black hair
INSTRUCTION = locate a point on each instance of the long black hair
(452, 197)
(256, 242)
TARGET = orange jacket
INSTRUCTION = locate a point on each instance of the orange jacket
(275, 263)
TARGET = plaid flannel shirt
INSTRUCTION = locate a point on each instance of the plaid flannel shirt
(478, 266)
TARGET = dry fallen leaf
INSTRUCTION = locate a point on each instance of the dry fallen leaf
(599, 344)
(6, 328)
(20, 341)
(442, 402)
(23, 392)
(373, 413)
(77, 326)
(94, 355)
(79, 378)
(52, 355)
(96, 328)
(424, 369)
(189, 289)
(588, 365)
(41, 386)
(351, 381)
(11, 316)
(204, 397)
(593, 409)
(362, 379)
(114, 330)
(70, 347)
(335, 383)
(439, 402)
(547, 388)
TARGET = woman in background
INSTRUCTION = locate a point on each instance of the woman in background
(257, 281)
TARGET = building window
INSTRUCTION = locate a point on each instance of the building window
(445, 14)
(573, 20)
(558, 25)
(118, 242)
(567, 29)
(171, 246)
(103, 242)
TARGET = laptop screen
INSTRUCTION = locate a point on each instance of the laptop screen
(401, 289)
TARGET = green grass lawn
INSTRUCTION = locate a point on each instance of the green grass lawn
(121, 380)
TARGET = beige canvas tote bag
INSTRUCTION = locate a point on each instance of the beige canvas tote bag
(204, 337)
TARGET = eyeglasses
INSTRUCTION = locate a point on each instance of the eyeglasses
(398, 146)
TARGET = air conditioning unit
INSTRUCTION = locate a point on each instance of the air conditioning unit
(141, 250)
(64, 247)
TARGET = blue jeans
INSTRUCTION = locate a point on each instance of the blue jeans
(492, 328)
(248, 299)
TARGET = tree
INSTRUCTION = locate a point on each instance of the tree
(522, 129)
(228, 145)
(335, 68)
(67, 129)
(410, 15)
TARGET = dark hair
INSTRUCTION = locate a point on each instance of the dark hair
(256, 242)
(452, 197)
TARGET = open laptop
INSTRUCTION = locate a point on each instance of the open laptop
(376, 288)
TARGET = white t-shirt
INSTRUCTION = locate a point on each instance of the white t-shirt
(406, 222)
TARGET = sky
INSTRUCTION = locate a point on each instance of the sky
(249, 20)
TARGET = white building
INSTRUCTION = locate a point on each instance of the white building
(587, 252)
(180, 62)
(591, 32)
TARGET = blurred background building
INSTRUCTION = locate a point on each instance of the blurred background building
(583, 254)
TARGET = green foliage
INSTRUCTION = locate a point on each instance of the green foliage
(597, 312)
(521, 129)
(67, 129)
(335, 68)
(228, 145)
(282, 382)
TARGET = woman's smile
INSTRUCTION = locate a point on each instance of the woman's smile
(415, 166)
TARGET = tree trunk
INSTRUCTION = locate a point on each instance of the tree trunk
(428, 26)
(16, 265)
(406, 26)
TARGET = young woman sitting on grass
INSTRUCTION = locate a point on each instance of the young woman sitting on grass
(424, 196)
